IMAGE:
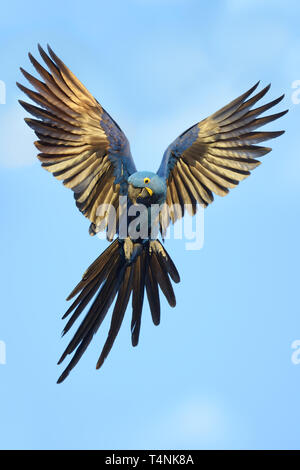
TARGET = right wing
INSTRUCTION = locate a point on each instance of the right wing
(78, 141)
(215, 154)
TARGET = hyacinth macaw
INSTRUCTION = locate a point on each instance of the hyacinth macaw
(80, 144)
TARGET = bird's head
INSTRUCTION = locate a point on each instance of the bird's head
(145, 187)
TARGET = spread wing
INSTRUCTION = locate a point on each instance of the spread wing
(214, 155)
(79, 143)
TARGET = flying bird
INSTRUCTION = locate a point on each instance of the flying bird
(82, 145)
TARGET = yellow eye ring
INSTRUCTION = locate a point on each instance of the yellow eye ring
(146, 180)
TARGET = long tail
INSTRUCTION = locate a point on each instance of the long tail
(115, 273)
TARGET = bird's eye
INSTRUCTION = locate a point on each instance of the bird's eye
(146, 180)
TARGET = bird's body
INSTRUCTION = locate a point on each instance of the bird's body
(83, 146)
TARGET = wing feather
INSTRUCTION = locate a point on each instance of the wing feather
(214, 155)
(79, 143)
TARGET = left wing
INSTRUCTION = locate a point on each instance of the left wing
(79, 142)
(214, 155)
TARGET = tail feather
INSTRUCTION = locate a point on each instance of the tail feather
(169, 265)
(162, 279)
(95, 310)
(98, 267)
(82, 300)
(113, 274)
(138, 297)
(153, 295)
(118, 315)
(92, 320)
(86, 296)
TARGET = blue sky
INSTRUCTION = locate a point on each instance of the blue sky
(217, 372)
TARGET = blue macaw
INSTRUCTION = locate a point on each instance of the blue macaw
(80, 144)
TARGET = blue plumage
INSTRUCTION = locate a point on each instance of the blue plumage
(156, 183)
(80, 144)
(175, 149)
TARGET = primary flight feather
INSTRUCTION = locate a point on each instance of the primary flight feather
(81, 144)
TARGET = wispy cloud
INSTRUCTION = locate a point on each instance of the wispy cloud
(237, 5)
(16, 146)
(199, 422)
